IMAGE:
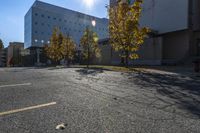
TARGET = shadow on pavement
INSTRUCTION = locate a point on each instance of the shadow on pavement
(93, 72)
(183, 90)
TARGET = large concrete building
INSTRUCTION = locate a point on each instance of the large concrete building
(177, 24)
(42, 18)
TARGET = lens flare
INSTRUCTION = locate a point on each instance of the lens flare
(89, 3)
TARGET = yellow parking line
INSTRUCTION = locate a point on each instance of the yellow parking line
(26, 109)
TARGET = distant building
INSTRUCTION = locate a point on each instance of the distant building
(14, 57)
(177, 24)
(3, 57)
(42, 18)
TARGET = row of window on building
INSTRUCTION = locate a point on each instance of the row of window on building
(42, 41)
(43, 24)
(54, 18)
(75, 23)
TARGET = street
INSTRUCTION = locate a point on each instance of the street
(36, 100)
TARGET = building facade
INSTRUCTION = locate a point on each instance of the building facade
(177, 26)
(42, 18)
(3, 57)
(14, 56)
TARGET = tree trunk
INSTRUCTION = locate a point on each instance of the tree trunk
(122, 59)
(88, 61)
(127, 58)
(68, 61)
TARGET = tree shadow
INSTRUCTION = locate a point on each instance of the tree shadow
(180, 89)
(92, 72)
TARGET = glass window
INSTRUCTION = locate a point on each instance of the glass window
(49, 17)
(36, 23)
(54, 18)
(42, 15)
(60, 19)
(36, 14)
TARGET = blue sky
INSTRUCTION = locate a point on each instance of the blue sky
(12, 14)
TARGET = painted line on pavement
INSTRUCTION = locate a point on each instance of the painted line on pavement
(14, 85)
(27, 108)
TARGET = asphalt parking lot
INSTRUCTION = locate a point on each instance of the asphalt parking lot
(36, 100)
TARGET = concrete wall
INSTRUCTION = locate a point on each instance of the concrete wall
(164, 15)
(195, 14)
(151, 52)
(176, 46)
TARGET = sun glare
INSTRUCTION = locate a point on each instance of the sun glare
(88, 3)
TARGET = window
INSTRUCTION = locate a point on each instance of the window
(42, 41)
(36, 14)
(42, 24)
(60, 19)
(36, 23)
(42, 15)
(65, 21)
(36, 40)
(49, 17)
(54, 18)
(36, 32)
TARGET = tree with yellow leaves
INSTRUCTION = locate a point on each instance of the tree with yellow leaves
(68, 48)
(89, 44)
(53, 51)
(126, 35)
